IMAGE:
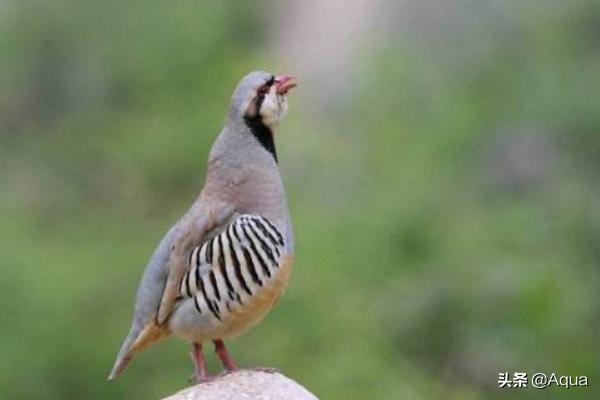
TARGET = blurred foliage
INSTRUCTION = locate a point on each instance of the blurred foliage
(447, 215)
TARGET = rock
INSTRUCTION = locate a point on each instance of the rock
(246, 385)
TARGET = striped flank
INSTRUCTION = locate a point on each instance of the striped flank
(233, 266)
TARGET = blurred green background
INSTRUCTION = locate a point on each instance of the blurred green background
(442, 161)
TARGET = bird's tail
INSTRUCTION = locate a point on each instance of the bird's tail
(138, 339)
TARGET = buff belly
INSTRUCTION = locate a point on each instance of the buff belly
(188, 324)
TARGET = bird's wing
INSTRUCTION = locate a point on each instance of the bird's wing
(194, 230)
(159, 286)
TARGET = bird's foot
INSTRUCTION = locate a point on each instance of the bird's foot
(224, 356)
(200, 374)
(195, 378)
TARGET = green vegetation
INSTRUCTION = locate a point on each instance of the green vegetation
(446, 212)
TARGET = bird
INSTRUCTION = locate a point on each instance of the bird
(221, 267)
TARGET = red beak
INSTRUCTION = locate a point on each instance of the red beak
(283, 83)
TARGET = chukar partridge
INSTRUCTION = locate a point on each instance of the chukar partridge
(222, 266)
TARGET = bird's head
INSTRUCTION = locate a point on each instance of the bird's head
(261, 97)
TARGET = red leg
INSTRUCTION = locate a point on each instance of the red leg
(201, 370)
(224, 356)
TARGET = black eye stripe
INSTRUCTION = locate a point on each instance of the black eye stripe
(259, 100)
(254, 122)
(266, 87)
(261, 93)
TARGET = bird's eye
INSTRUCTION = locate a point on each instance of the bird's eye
(262, 90)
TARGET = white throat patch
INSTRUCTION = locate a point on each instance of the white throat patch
(274, 107)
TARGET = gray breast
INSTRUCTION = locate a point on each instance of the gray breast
(230, 268)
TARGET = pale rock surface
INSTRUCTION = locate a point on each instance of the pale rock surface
(246, 385)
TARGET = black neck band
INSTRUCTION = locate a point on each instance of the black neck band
(262, 133)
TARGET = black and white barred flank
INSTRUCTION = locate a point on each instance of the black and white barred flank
(228, 269)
